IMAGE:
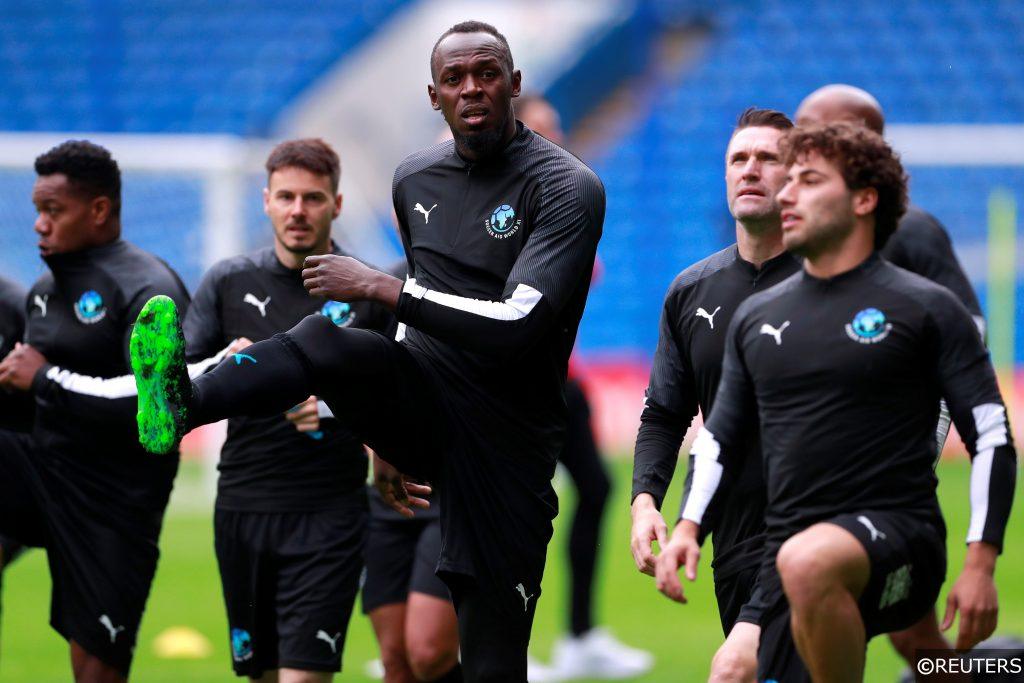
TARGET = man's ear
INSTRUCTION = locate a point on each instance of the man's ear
(432, 93)
(517, 82)
(100, 209)
(865, 201)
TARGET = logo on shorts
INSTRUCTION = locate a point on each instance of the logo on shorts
(111, 629)
(333, 642)
(875, 533)
(868, 327)
(897, 586)
(89, 308)
(339, 313)
(526, 598)
(241, 644)
(502, 223)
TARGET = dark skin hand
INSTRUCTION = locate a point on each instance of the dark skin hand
(19, 368)
(343, 278)
(401, 494)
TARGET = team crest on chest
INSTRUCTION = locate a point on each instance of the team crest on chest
(868, 327)
(90, 308)
(503, 223)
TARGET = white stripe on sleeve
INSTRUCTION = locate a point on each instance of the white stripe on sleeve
(707, 473)
(122, 386)
(990, 424)
(516, 307)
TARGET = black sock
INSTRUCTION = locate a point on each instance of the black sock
(265, 379)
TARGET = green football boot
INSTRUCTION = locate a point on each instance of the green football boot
(157, 350)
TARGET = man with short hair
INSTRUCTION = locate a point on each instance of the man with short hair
(80, 485)
(920, 245)
(291, 507)
(843, 365)
(500, 228)
(684, 378)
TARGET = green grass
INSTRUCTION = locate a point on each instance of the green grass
(683, 638)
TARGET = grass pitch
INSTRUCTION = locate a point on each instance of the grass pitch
(682, 637)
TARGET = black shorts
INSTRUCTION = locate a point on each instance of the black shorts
(101, 547)
(289, 580)
(401, 558)
(733, 592)
(908, 566)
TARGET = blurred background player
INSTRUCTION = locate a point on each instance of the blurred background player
(856, 539)
(291, 509)
(15, 407)
(687, 367)
(80, 485)
(586, 651)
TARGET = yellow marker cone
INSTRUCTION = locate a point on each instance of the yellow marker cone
(182, 642)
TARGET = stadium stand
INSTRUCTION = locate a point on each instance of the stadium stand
(951, 62)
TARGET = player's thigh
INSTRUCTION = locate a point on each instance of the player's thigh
(819, 558)
(389, 555)
(21, 491)
(248, 587)
(318, 570)
(907, 554)
(493, 640)
(432, 633)
(732, 592)
(378, 388)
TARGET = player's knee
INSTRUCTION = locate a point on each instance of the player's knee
(804, 572)
(733, 665)
(429, 660)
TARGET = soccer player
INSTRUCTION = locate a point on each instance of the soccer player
(920, 245)
(15, 408)
(80, 485)
(500, 228)
(291, 508)
(843, 364)
(684, 377)
(588, 650)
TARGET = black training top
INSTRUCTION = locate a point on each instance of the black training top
(501, 253)
(845, 375)
(80, 316)
(500, 257)
(15, 407)
(921, 245)
(687, 366)
(266, 464)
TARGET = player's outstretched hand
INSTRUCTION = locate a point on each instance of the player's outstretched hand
(648, 526)
(397, 491)
(305, 416)
(681, 551)
(974, 596)
(19, 368)
(237, 345)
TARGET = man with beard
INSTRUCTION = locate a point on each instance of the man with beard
(843, 365)
(684, 378)
(500, 229)
(291, 507)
